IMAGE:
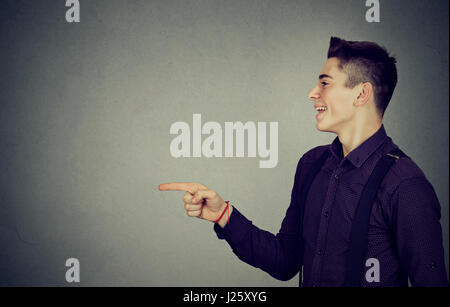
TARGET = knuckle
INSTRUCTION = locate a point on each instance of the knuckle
(187, 197)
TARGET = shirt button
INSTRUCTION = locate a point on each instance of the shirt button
(325, 213)
(320, 252)
(336, 176)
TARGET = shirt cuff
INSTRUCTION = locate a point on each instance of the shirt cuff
(236, 228)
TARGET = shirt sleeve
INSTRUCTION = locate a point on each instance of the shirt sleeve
(279, 255)
(418, 233)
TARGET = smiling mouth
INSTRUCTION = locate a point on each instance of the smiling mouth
(321, 109)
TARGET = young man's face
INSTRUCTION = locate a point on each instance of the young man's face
(334, 100)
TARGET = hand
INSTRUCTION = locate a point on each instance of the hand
(199, 201)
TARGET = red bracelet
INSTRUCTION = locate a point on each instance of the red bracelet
(223, 212)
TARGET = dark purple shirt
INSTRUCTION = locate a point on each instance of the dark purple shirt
(405, 234)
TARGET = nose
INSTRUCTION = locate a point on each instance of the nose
(314, 93)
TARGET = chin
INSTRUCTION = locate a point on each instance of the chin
(320, 127)
(323, 128)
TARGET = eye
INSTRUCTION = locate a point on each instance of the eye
(324, 83)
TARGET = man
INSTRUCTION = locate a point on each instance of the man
(404, 235)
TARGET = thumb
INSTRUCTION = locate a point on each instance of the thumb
(201, 194)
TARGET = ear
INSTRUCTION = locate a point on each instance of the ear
(365, 92)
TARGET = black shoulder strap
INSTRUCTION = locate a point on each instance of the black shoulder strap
(304, 193)
(360, 225)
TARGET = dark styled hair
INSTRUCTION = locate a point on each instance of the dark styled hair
(366, 62)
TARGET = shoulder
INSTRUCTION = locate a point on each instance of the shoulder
(313, 154)
(412, 193)
(406, 190)
(405, 169)
(306, 161)
(405, 176)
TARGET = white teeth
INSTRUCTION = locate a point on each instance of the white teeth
(321, 108)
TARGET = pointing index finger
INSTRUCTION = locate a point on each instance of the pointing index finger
(190, 187)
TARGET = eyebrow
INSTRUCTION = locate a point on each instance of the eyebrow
(325, 76)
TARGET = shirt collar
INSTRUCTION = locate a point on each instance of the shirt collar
(360, 154)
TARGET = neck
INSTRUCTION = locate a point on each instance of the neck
(354, 135)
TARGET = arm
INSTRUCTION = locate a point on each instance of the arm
(418, 232)
(278, 255)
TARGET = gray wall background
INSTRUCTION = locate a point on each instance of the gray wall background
(86, 110)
